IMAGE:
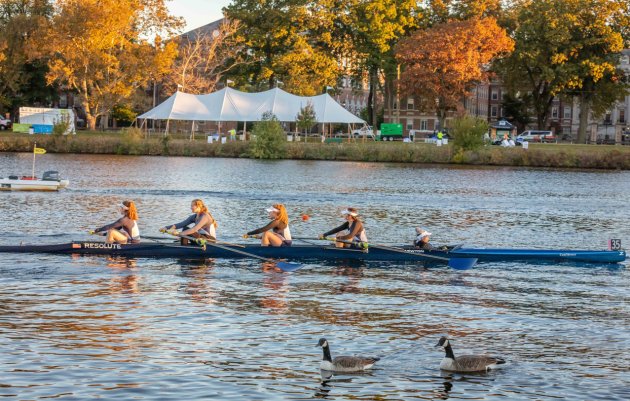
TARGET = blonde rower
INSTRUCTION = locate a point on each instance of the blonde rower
(277, 232)
(200, 224)
(354, 231)
(124, 230)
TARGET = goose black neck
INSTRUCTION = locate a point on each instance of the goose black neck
(449, 351)
(327, 353)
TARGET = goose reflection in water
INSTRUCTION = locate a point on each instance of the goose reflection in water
(330, 378)
(479, 379)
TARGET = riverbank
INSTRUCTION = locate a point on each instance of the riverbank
(538, 155)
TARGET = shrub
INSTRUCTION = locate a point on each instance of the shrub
(269, 142)
(131, 142)
(468, 132)
(61, 127)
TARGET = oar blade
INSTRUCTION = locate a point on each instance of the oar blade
(288, 266)
(462, 263)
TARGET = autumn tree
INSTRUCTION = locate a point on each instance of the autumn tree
(592, 58)
(206, 59)
(22, 66)
(442, 63)
(566, 48)
(442, 11)
(102, 51)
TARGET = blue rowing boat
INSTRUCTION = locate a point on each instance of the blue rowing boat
(323, 252)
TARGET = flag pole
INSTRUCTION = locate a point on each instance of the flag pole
(33, 173)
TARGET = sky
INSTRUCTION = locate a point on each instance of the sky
(197, 12)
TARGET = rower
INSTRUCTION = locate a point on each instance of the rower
(422, 239)
(276, 233)
(125, 229)
(200, 224)
(355, 232)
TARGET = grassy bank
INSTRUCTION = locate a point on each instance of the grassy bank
(538, 155)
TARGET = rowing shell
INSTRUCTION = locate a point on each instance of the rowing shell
(315, 252)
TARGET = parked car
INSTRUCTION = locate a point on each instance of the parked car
(365, 131)
(536, 136)
(5, 123)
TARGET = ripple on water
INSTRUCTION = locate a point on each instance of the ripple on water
(88, 327)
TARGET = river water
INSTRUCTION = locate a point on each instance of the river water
(97, 327)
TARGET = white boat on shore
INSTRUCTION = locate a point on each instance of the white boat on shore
(51, 181)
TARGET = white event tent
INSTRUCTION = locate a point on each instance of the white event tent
(232, 105)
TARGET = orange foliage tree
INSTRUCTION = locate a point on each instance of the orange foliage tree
(100, 49)
(442, 63)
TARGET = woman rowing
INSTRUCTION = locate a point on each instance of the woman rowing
(125, 229)
(277, 232)
(354, 233)
(200, 224)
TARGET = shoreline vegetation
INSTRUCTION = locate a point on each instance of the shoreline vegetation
(538, 155)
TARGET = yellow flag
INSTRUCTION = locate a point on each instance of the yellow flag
(39, 151)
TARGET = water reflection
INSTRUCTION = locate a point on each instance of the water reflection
(329, 379)
(198, 282)
(353, 274)
(275, 284)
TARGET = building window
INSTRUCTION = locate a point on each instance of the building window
(409, 124)
(554, 112)
(424, 125)
(495, 94)
(607, 119)
(410, 103)
(493, 111)
(567, 112)
(622, 116)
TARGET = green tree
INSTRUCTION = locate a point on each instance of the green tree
(282, 40)
(468, 132)
(306, 118)
(100, 50)
(269, 139)
(516, 110)
(374, 28)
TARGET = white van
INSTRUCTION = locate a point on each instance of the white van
(534, 136)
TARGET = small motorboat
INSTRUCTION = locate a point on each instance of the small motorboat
(50, 181)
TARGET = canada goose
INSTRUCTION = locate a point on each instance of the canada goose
(343, 363)
(466, 363)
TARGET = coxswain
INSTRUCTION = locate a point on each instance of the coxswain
(200, 224)
(422, 239)
(125, 229)
(277, 232)
(354, 235)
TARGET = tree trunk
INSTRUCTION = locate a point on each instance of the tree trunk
(585, 109)
(373, 88)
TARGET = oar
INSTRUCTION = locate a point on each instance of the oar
(455, 263)
(284, 266)
(213, 241)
